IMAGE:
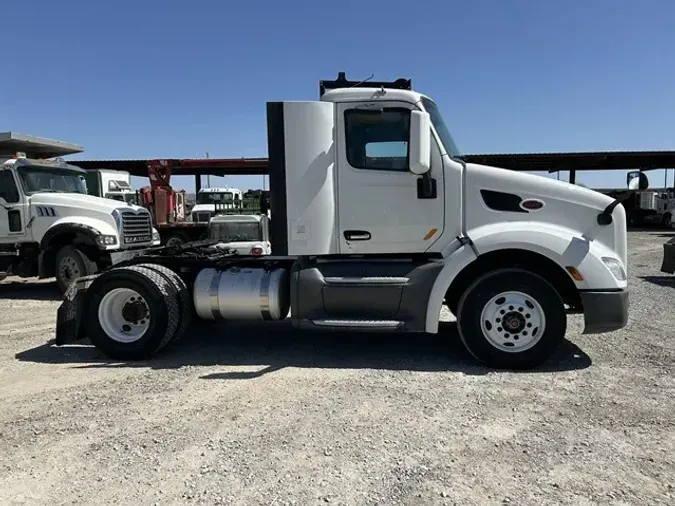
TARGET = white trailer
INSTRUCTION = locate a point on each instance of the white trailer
(49, 226)
(377, 223)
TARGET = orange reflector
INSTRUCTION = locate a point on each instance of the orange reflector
(430, 234)
(574, 273)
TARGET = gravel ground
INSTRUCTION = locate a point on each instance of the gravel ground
(268, 416)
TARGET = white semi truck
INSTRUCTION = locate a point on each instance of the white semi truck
(377, 223)
(49, 226)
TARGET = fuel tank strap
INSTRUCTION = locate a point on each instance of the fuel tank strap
(265, 296)
(213, 295)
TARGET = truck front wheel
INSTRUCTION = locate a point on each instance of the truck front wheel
(71, 263)
(511, 319)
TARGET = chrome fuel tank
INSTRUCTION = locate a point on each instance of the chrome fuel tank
(242, 294)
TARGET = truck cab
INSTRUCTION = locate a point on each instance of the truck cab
(209, 200)
(51, 227)
(111, 184)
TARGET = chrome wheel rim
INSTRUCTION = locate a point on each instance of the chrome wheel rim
(513, 321)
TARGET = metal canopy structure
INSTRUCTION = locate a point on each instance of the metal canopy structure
(601, 160)
(12, 143)
(183, 167)
(533, 162)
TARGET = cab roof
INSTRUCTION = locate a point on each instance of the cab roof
(371, 94)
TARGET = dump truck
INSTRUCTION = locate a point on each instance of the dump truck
(49, 225)
(377, 224)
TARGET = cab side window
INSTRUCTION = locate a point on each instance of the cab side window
(8, 189)
(378, 140)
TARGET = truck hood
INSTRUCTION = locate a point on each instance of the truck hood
(80, 200)
(204, 207)
(554, 194)
(490, 190)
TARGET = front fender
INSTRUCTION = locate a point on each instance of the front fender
(89, 227)
(564, 246)
(461, 256)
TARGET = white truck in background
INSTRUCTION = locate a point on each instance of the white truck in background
(210, 200)
(646, 207)
(247, 234)
(377, 223)
(49, 225)
(110, 184)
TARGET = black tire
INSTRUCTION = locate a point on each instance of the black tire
(176, 240)
(162, 302)
(536, 288)
(71, 263)
(184, 297)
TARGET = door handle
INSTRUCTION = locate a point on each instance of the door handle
(357, 235)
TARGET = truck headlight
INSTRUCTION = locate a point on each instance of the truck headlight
(106, 240)
(155, 235)
(615, 268)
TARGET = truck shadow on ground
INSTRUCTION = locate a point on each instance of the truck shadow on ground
(274, 348)
(29, 291)
(660, 280)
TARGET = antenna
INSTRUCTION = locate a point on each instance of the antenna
(342, 76)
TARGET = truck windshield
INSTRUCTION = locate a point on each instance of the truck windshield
(235, 231)
(37, 179)
(212, 198)
(439, 125)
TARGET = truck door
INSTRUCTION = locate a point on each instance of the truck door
(381, 208)
(12, 223)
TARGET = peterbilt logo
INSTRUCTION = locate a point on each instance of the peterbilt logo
(140, 238)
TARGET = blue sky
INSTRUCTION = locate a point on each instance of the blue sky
(150, 79)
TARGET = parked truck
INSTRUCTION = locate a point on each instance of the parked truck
(111, 184)
(247, 234)
(50, 226)
(377, 223)
(646, 207)
(211, 199)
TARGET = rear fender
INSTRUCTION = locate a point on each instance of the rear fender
(69, 325)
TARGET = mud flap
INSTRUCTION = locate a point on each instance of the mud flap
(69, 326)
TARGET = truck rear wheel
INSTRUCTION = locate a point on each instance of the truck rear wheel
(132, 313)
(511, 319)
(71, 263)
(184, 297)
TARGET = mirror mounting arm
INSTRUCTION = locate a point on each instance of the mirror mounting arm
(605, 217)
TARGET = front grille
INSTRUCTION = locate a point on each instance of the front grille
(136, 227)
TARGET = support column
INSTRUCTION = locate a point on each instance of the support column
(198, 183)
(573, 176)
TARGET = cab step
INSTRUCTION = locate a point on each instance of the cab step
(359, 324)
